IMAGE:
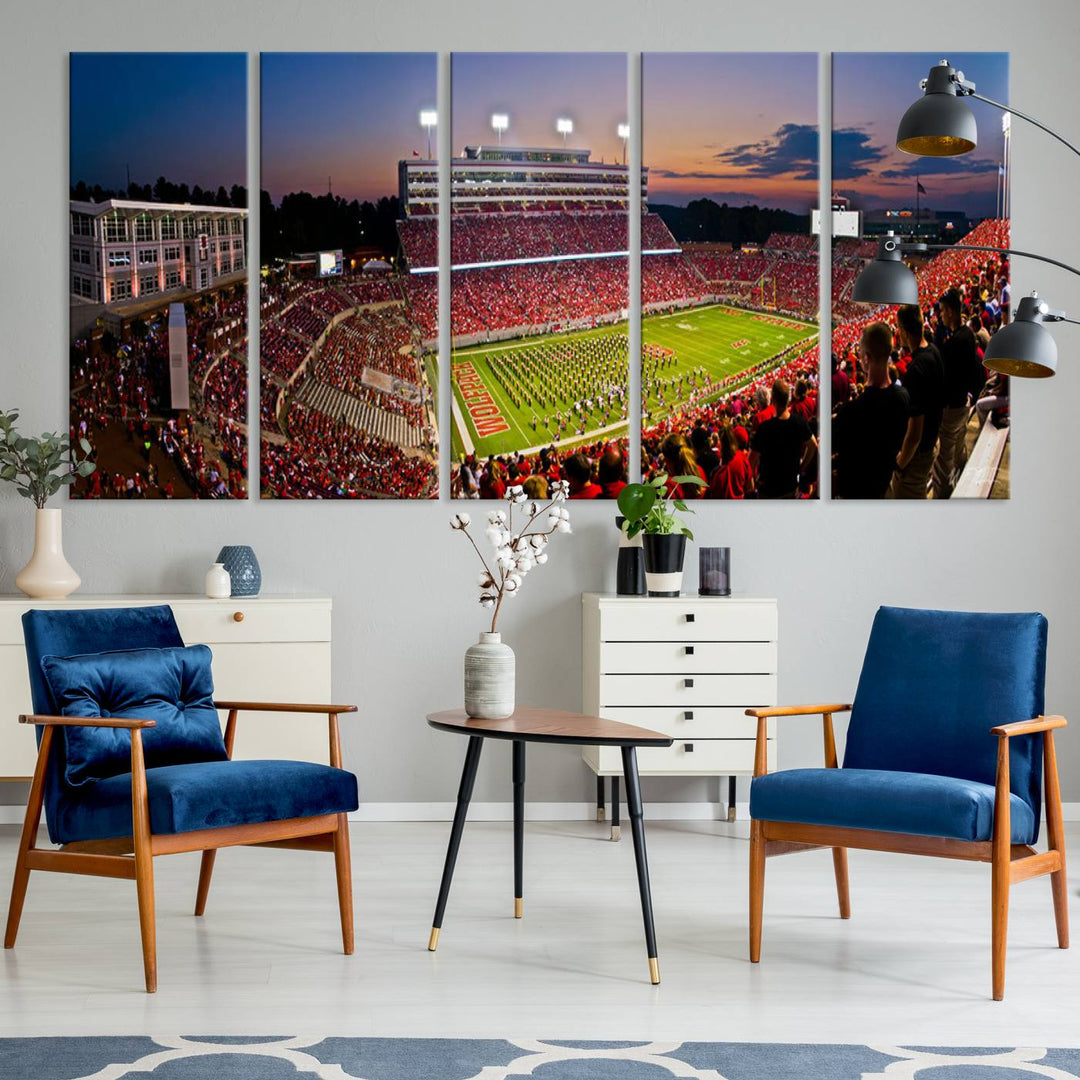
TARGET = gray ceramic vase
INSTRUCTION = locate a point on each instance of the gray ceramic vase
(489, 678)
(243, 567)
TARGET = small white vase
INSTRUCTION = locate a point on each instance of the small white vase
(218, 582)
(489, 678)
(48, 575)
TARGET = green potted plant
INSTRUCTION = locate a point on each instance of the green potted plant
(653, 512)
(39, 467)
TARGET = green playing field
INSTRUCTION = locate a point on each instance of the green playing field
(722, 340)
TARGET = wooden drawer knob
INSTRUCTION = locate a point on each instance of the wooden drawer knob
(238, 616)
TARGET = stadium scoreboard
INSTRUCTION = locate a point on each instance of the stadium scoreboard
(330, 263)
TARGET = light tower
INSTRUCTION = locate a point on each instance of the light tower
(564, 127)
(429, 118)
(500, 122)
(624, 134)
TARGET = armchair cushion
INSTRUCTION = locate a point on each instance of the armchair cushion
(207, 795)
(173, 686)
(921, 804)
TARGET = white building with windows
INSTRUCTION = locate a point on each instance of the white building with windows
(127, 254)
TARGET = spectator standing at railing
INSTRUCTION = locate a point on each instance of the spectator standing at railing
(782, 447)
(964, 378)
(924, 381)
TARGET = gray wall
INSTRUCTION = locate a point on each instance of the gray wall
(404, 603)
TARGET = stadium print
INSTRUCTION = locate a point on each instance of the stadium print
(158, 273)
(729, 273)
(539, 273)
(915, 415)
(348, 368)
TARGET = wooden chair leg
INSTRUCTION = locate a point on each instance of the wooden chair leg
(839, 858)
(343, 867)
(757, 888)
(1000, 871)
(1055, 829)
(28, 840)
(144, 862)
(206, 871)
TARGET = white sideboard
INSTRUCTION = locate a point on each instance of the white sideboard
(687, 666)
(266, 648)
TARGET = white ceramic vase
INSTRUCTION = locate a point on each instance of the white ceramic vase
(489, 678)
(48, 575)
(218, 582)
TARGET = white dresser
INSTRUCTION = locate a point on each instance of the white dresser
(686, 666)
(266, 648)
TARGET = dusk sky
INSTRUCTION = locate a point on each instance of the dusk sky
(349, 116)
(871, 92)
(178, 115)
(535, 89)
(739, 128)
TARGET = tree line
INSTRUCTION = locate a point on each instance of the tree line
(163, 191)
(303, 222)
(705, 221)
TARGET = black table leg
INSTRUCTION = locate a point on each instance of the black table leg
(731, 798)
(519, 825)
(637, 827)
(600, 798)
(615, 800)
(468, 778)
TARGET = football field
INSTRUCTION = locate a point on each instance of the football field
(722, 340)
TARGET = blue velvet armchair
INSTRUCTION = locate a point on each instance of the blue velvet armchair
(132, 763)
(947, 752)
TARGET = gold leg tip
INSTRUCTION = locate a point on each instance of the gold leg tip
(519, 907)
(433, 940)
(600, 814)
(654, 971)
(616, 832)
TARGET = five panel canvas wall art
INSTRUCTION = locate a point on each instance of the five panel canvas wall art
(158, 273)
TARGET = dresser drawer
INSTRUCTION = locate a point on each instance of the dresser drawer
(688, 620)
(211, 621)
(709, 757)
(691, 723)
(689, 657)
(686, 691)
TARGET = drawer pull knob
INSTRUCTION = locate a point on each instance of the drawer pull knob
(688, 747)
(689, 616)
(689, 650)
(688, 683)
(688, 715)
(238, 616)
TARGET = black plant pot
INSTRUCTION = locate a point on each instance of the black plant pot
(664, 555)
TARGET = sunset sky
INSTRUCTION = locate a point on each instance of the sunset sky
(178, 115)
(349, 116)
(871, 92)
(534, 90)
(739, 128)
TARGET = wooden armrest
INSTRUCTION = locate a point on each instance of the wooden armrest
(798, 710)
(87, 721)
(279, 706)
(1028, 727)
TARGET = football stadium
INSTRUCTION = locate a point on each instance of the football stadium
(539, 307)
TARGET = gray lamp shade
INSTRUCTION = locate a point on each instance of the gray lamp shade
(886, 281)
(939, 124)
(1024, 348)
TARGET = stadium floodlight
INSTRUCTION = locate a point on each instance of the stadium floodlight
(500, 122)
(429, 118)
(624, 134)
(1027, 350)
(941, 124)
(564, 127)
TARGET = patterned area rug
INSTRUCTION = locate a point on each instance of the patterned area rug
(284, 1058)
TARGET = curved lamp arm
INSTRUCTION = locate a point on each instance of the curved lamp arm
(1017, 112)
(915, 247)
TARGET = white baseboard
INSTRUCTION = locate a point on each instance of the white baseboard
(12, 814)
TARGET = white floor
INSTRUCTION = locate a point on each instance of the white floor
(911, 966)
